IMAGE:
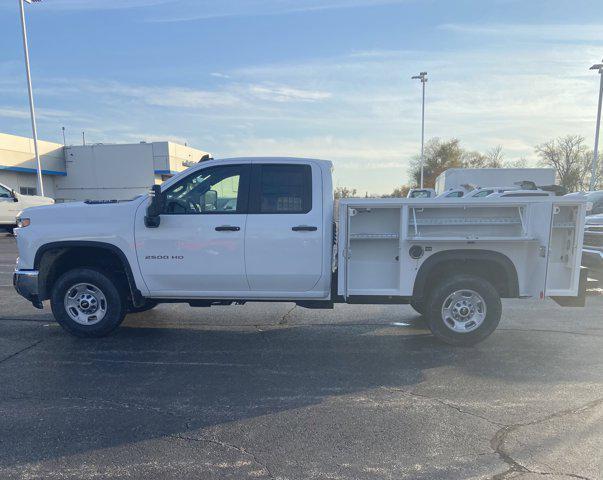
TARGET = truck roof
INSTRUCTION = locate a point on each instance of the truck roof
(326, 163)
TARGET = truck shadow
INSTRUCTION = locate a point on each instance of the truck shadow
(72, 396)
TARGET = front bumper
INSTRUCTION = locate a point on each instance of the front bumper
(593, 260)
(26, 285)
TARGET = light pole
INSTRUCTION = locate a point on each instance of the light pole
(593, 176)
(31, 101)
(423, 77)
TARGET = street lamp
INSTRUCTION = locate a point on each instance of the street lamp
(423, 77)
(593, 177)
(31, 101)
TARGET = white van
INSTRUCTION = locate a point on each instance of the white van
(11, 203)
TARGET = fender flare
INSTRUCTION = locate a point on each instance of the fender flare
(43, 249)
(467, 255)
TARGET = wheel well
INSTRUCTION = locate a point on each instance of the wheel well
(489, 265)
(56, 260)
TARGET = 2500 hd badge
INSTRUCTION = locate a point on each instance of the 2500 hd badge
(164, 257)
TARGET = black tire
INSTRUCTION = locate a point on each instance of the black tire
(418, 306)
(147, 305)
(443, 329)
(113, 303)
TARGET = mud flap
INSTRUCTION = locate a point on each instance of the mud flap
(580, 300)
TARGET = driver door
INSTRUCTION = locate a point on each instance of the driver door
(198, 249)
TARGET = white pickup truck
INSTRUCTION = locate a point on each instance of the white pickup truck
(11, 203)
(263, 229)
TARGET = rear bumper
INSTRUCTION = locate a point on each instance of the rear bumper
(26, 285)
(593, 260)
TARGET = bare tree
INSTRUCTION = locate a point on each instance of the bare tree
(570, 158)
(399, 192)
(344, 192)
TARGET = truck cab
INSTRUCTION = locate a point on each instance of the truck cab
(263, 229)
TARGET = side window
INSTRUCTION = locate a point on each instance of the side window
(4, 192)
(211, 190)
(284, 189)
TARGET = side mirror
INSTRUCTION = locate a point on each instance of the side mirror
(14, 195)
(210, 201)
(155, 208)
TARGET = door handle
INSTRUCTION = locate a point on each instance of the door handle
(227, 228)
(304, 228)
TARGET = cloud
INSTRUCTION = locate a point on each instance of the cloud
(207, 9)
(563, 32)
(100, 4)
(186, 10)
(287, 94)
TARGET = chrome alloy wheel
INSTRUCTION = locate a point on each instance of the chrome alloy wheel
(85, 304)
(463, 311)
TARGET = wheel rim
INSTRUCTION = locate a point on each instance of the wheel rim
(463, 311)
(85, 304)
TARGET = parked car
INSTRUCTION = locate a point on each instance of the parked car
(452, 193)
(521, 193)
(421, 193)
(11, 203)
(592, 252)
(594, 201)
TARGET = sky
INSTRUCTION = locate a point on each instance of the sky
(312, 78)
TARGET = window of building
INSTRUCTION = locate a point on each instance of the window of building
(28, 190)
(286, 189)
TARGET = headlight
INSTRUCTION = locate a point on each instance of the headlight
(23, 222)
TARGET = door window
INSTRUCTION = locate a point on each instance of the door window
(284, 189)
(5, 192)
(213, 190)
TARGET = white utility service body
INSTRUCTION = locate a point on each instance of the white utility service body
(263, 229)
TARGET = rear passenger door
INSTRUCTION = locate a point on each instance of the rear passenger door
(283, 240)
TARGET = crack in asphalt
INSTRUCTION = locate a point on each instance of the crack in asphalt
(242, 450)
(568, 332)
(454, 406)
(24, 349)
(498, 440)
(283, 320)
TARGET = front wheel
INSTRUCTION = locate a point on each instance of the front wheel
(463, 309)
(86, 303)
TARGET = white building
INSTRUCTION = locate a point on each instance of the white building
(91, 172)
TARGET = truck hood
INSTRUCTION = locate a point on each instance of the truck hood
(82, 211)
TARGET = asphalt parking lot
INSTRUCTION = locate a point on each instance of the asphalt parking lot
(274, 391)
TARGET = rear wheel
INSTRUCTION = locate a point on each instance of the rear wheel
(463, 309)
(86, 303)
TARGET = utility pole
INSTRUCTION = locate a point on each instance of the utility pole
(31, 100)
(64, 142)
(423, 77)
(593, 175)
